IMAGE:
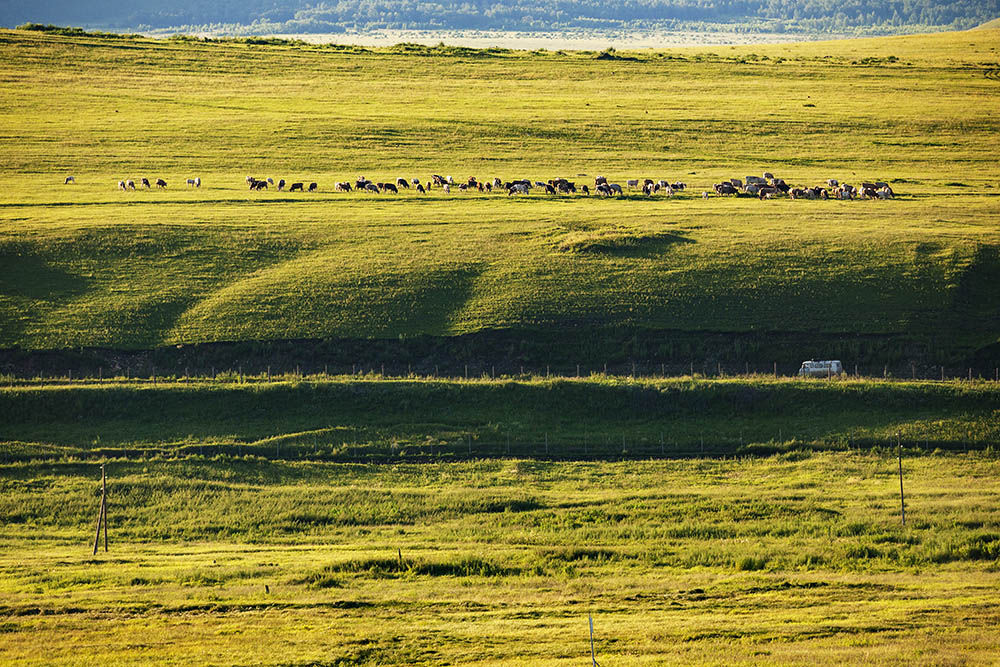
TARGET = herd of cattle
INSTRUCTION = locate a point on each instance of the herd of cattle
(762, 187)
(446, 183)
(129, 184)
(767, 187)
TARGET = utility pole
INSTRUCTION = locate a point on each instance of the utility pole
(902, 503)
(102, 514)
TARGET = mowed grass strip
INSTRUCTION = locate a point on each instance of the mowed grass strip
(88, 265)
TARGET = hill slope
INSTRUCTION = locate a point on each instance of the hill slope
(87, 265)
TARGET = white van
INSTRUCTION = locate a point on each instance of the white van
(822, 369)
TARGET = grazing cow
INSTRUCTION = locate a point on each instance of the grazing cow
(497, 182)
(371, 187)
(780, 185)
(145, 183)
(868, 186)
(130, 184)
(281, 184)
(517, 189)
(197, 181)
(632, 183)
(190, 182)
(725, 188)
(600, 180)
(312, 187)
(648, 181)
(270, 181)
(755, 180)
(121, 185)
(481, 187)
(489, 186)
(295, 186)
(704, 195)
(766, 193)
(869, 193)
(662, 183)
(586, 190)
(678, 186)
(258, 185)
(647, 189)
(69, 179)
(797, 193)
(389, 187)
(888, 191)
(752, 188)
(362, 183)
(343, 186)
(549, 189)
(472, 182)
(415, 181)
(420, 189)
(438, 180)
(540, 184)
(450, 180)
(832, 182)
(462, 187)
(403, 183)
(768, 176)
(160, 183)
(880, 185)
(615, 188)
(736, 182)
(603, 189)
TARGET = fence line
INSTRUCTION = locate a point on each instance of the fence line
(506, 371)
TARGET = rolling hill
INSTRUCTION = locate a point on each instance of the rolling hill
(487, 277)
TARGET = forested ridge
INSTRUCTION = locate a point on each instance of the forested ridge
(858, 16)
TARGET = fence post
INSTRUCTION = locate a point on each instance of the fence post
(776, 369)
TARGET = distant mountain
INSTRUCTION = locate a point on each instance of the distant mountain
(263, 16)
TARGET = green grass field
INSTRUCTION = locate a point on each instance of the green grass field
(421, 419)
(86, 265)
(798, 559)
(418, 518)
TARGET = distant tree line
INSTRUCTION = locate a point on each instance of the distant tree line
(337, 15)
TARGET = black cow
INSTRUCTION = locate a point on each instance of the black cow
(389, 187)
(160, 183)
(401, 182)
(294, 186)
(145, 182)
(420, 189)
(312, 187)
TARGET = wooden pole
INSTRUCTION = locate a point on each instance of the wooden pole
(593, 655)
(902, 503)
(104, 507)
(102, 515)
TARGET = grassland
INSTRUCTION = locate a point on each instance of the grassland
(365, 519)
(795, 559)
(86, 265)
(421, 419)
